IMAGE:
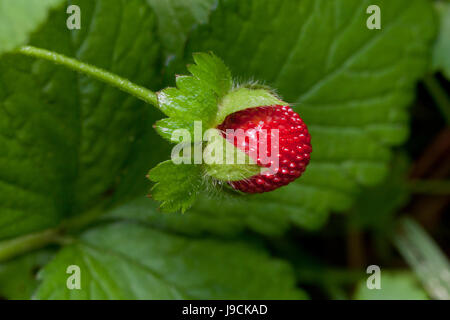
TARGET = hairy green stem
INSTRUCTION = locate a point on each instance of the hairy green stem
(17, 246)
(439, 95)
(97, 73)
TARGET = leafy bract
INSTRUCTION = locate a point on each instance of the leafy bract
(128, 261)
(177, 185)
(213, 72)
(196, 97)
(69, 142)
(19, 18)
(441, 53)
(351, 85)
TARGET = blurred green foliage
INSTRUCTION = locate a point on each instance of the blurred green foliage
(76, 150)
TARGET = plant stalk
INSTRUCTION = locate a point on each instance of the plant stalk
(59, 235)
(17, 246)
(97, 73)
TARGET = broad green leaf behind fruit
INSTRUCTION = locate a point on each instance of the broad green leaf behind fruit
(225, 216)
(177, 17)
(131, 261)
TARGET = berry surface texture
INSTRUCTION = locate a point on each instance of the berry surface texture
(294, 145)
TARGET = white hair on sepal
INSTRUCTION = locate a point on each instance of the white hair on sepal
(218, 189)
(213, 186)
(256, 84)
(248, 83)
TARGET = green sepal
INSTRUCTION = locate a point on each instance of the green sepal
(244, 98)
(216, 164)
(166, 129)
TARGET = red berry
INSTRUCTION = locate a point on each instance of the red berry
(294, 145)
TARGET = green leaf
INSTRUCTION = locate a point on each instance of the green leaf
(177, 17)
(177, 185)
(351, 85)
(394, 286)
(72, 143)
(18, 277)
(19, 18)
(229, 216)
(130, 261)
(441, 53)
(425, 257)
(194, 223)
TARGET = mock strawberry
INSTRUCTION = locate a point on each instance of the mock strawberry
(228, 135)
(293, 144)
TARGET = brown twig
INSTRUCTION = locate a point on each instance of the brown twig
(433, 164)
